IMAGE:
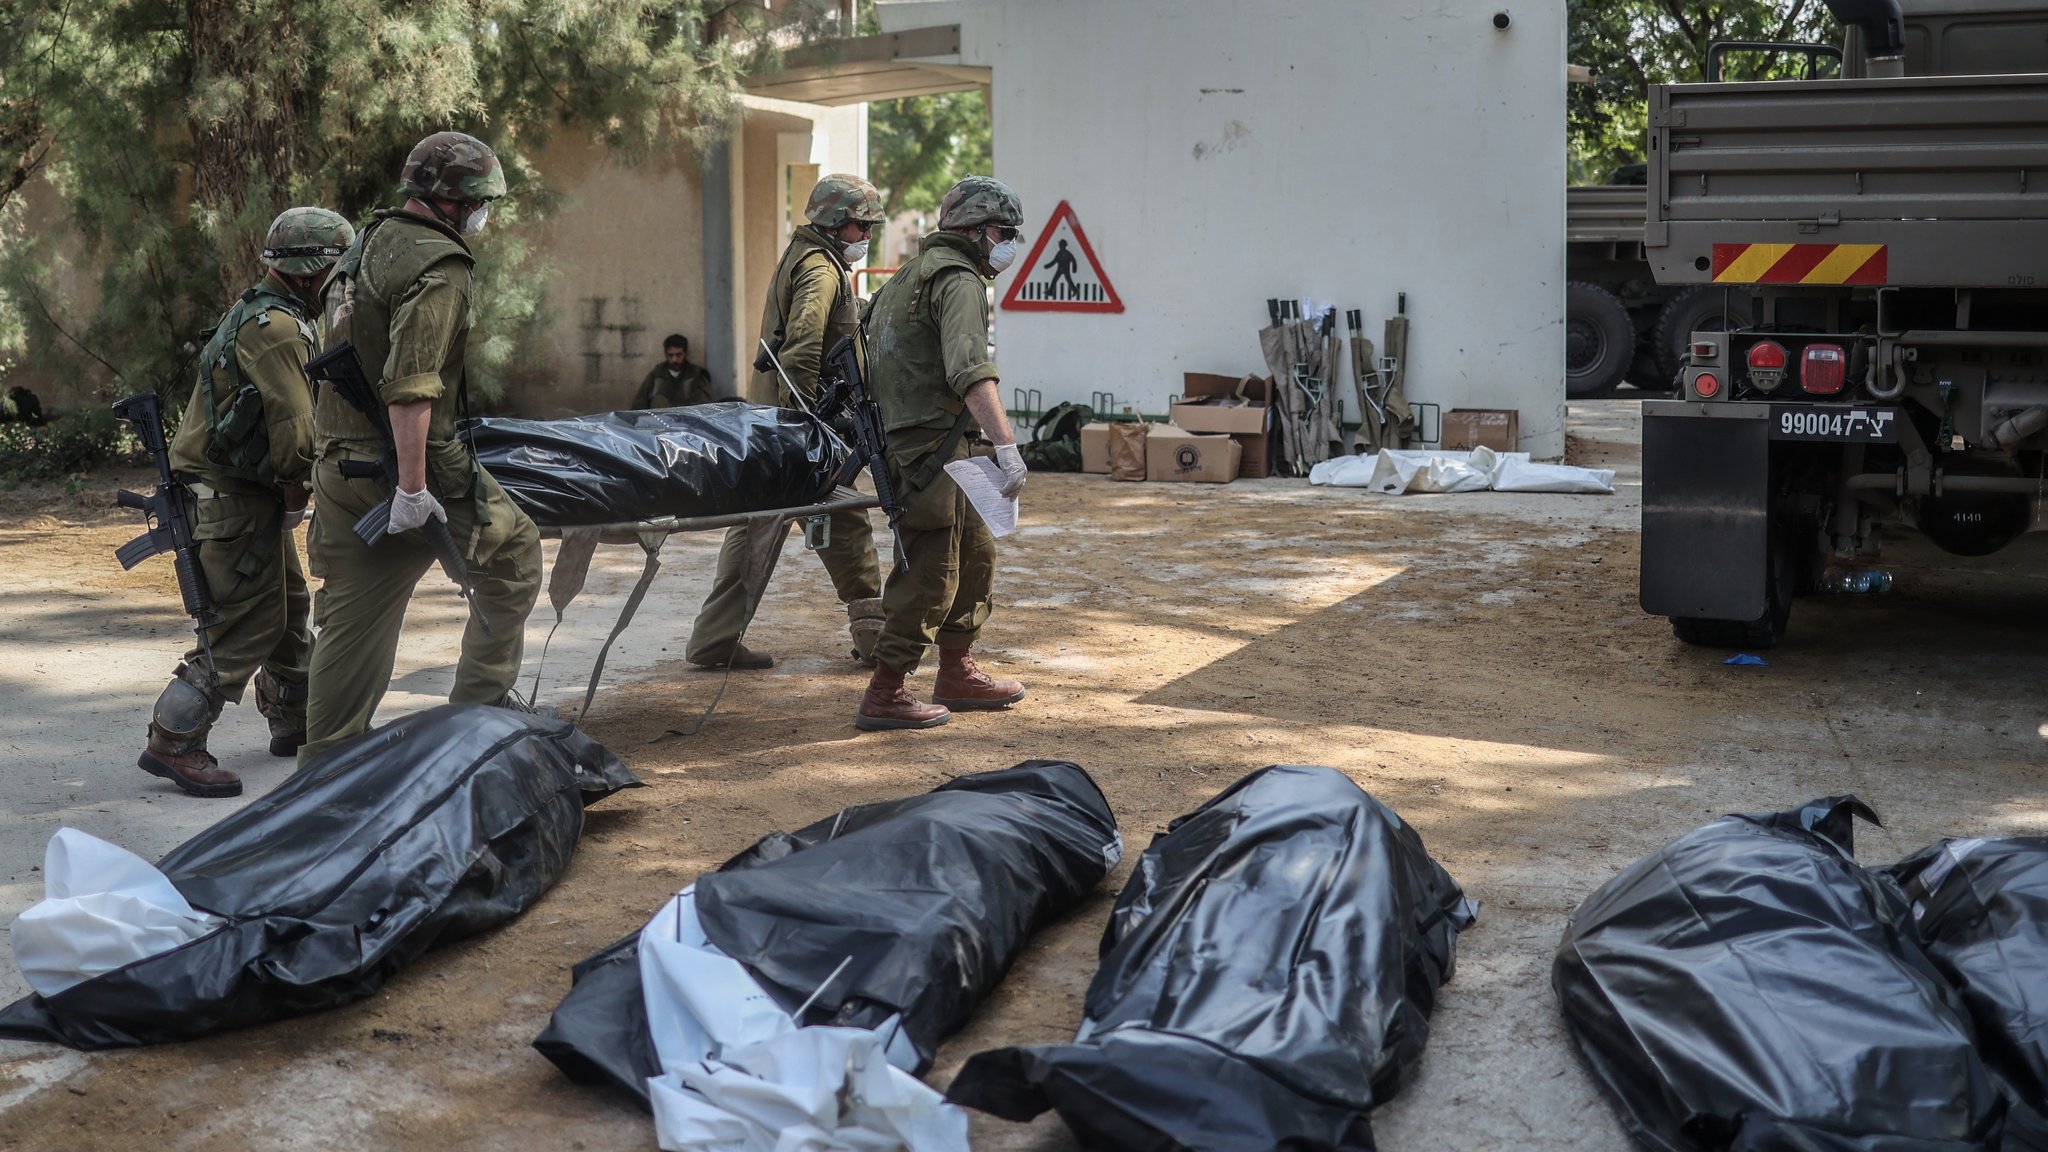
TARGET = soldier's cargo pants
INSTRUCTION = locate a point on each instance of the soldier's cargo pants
(251, 567)
(360, 608)
(941, 593)
(849, 558)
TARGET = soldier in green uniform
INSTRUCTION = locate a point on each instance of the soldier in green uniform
(676, 382)
(810, 308)
(401, 297)
(245, 452)
(937, 390)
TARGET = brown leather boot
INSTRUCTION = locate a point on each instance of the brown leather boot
(194, 769)
(966, 688)
(886, 705)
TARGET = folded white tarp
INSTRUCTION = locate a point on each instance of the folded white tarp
(103, 908)
(740, 1076)
(1393, 472)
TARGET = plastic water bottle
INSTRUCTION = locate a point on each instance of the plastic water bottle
(1858, 580)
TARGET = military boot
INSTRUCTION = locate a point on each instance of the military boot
(739, 656)
(864, 619)
(283, 704)
(966, 688)
(887, 705)
(177, 739)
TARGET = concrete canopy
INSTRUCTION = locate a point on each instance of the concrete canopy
(858, 69)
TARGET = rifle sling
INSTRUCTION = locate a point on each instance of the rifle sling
(936, 460)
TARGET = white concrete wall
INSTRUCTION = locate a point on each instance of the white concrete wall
(1220, 152)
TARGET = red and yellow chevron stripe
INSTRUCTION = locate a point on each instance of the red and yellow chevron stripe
(1800, 264)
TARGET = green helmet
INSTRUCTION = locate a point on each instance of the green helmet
(303, 241)
(979, 200)
(839, 198)
(453, 166)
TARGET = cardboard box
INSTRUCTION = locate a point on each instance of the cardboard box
(1248, 424)
(1095, 448)
(1469, 428)
(1177, 454)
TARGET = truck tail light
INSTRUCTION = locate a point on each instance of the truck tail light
(1704, 350)
(1706, 385)
(1767, 365)
(1823, 368)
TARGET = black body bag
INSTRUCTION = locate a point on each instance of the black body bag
(1267, 978)
(1751, 987)
(926, 901)
(429, 829)
(1980, 909)
(703, 460)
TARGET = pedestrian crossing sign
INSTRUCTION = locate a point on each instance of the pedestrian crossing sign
(1062, 273)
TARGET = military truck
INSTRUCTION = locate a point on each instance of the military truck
(1620, 323)
(1893, 225)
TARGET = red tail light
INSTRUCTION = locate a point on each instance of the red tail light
(1706, 385)
(1767, 365)
(1823, 368)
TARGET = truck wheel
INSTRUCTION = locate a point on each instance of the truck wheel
(1766, 630)
(1704, 309)
(1599, 339)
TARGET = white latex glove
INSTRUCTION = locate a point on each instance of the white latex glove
(409, 510)
(1011, 462)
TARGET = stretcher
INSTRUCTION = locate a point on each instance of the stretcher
(766, 531)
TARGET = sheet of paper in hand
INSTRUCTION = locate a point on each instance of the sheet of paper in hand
(982, 481)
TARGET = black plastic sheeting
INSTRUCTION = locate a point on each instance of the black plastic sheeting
(429, 829)
(704, 460)
(1751, 987)
(932, 897)
(1980, 908)
(1267, 978)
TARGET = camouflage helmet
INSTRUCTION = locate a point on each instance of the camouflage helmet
(304, 241)
(979, 200)
(839, 198)
(453, 166)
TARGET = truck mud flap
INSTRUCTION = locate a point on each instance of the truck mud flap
(1706, 510)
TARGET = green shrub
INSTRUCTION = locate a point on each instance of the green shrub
(72, 443)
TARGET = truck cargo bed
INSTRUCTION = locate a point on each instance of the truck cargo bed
(1937, 181)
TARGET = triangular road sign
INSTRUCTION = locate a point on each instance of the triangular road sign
(1070, 279)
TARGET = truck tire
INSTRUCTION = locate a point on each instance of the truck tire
(1767, 630)
(1599, 339)
(1704, 309)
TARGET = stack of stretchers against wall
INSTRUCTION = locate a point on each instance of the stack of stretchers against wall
(1752, 987)
(785, 1000)
(639, 477)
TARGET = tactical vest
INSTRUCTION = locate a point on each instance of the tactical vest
(238, 430)
(387, 259)
(843, 321)
(909, 382)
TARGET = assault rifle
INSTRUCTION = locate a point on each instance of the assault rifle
(170, 529)
(340, 370)
(844, 403)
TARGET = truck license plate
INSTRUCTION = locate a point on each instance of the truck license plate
(1836, 423)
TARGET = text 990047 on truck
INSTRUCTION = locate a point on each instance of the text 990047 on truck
(1895, 372)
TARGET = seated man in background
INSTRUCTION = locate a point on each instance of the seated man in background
(675, 382)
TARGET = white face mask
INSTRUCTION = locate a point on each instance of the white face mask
(476, 220)
(1002, 255)
(856, 251)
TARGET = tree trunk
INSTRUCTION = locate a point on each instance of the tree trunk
(245, 147)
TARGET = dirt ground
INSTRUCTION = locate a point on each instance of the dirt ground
(1478, 662)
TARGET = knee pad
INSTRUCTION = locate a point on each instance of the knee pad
(183, 709)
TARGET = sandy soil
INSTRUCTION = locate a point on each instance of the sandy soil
(1478, 662)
